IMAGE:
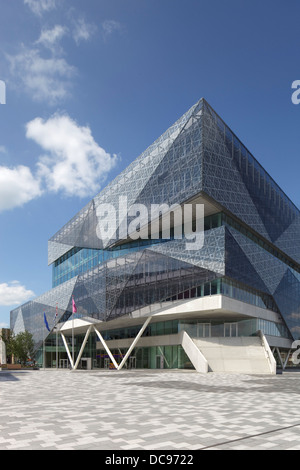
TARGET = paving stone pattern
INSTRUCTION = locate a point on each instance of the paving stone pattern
(152, 410)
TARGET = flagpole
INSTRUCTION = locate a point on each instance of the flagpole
(73, 338)
(56, 338)
(44, 338)
(74, 310)
(73, 330)
(44, 354)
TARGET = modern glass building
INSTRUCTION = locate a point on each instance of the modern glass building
(146, 301)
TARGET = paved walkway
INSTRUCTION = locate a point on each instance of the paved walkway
(136, 410)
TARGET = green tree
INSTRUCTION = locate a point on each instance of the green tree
(8, 338)
(23, 346)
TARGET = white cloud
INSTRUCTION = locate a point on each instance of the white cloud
(83, 31)
(109, 27)
(17, 187)
(74, 163)
(14, 293)
(49, 38)
(41, 70)
(45, 79)
(38, 7)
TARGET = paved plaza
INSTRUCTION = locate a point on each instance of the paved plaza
(148, 410)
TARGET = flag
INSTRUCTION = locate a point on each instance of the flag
(46, 322)
(74, 305)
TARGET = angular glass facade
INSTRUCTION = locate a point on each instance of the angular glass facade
(79, 260)
(251, 249)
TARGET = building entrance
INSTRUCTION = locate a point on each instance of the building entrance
(159, 362)
(132, 362)
(63, 364)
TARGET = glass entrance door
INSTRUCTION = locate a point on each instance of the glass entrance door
(230, 330)
(159, 362)
(132, 362)
(63, 364)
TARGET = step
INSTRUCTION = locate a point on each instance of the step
(241, 354)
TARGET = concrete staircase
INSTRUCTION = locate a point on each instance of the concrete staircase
(246, 355)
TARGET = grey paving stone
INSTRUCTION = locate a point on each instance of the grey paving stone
(91, 410)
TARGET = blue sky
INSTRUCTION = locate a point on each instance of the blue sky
(91, 84)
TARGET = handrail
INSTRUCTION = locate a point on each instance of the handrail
(265, 344)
